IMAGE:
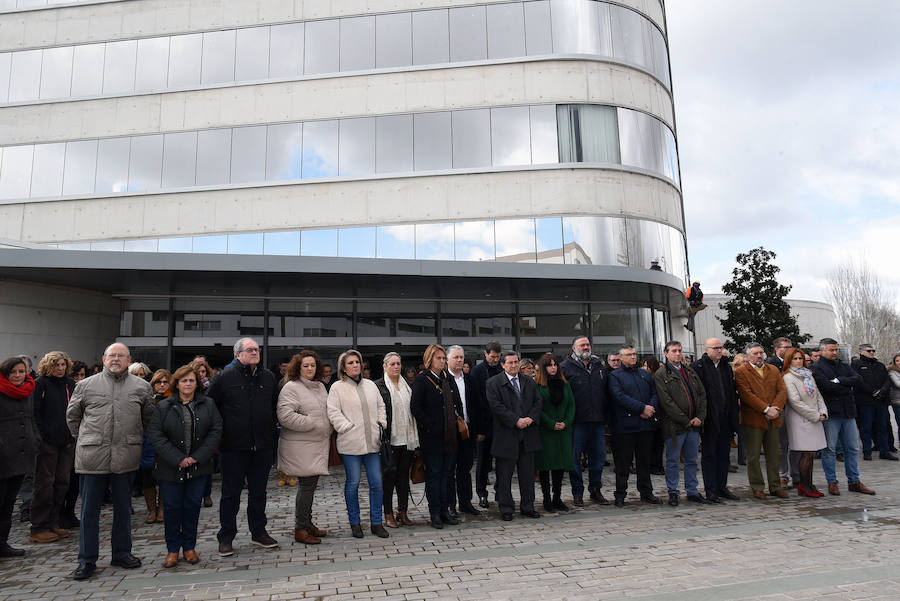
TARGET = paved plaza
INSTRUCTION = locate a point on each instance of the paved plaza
(845, 547)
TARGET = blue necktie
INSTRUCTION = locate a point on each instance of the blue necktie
(515, 383)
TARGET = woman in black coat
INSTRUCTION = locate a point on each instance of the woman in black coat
(18, 441)
(185, 430)
(435, 404)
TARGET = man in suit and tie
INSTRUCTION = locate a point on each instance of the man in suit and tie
(461, 480)
(516, 409)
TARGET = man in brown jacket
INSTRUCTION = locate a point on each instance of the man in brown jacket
(763, 396)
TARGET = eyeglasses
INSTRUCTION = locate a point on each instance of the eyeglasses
(158, 382)
(716, 348)
(869, 350)
(250, 350)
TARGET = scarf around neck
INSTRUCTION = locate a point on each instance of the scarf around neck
(809, 384)
(17, 392)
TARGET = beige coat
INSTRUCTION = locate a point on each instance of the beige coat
(805, 431)
(107, 415)
(305, 429)
(345, 410)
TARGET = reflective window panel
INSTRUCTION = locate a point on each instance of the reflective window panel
(544, 139)
(587, 133)
(356, 242)
(15, 171)
(510, 136)
(474, 241)
(184, 60)
(218, 57)
(576, 27)
(281, 243)
(318, 243)
(322, 48)
(434, 241)
(393, 40)
(119, 66)
(179, 160)
(87, 70)
(595, 241)
(252, 54)
(175, 245)
(356, 145)
(112, 165)
(81, 165)
(145, 166)
(396, 242)
(248, 154)
(5, 66)
(630, 38)
(47, 173)
(431, 37)
(471, 138)
(515, 240)
(537, 28)
(152, 71)
(357, 35)
(148, 246)
(283, 150)
(25, 76)
(394, 144)
(210, 245)
(286, 50)
(505, 30)
(213, 157)
(56, 72)
(548, 234)
(432, 146)
(245, 244)
(468, 34)
(320, 149)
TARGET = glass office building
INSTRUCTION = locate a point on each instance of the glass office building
(331, 175)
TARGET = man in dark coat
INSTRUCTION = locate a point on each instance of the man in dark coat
(516, 407)
(586, 376)
(633, 422)
(246, 395)
(872, 403)
(461, 479)
(481, 427)
(722, 420)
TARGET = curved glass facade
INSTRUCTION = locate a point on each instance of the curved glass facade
(349, 44)
(355, 147)
(584, 240)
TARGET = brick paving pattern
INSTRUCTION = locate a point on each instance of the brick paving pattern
(775, 550)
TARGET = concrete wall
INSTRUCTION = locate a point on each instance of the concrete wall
(813, 317)
(37, 318)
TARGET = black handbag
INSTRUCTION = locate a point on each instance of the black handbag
(387, 453)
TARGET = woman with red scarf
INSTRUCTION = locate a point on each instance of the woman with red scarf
(18, 438)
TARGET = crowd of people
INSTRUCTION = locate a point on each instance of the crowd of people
(100, 435)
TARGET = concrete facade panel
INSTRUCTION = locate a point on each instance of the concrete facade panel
(126, 20)
(438, 89)
(582, 191)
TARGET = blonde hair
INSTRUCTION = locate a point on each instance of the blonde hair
(136, 366)
(430, 353)
(738, 360)
(45, 367)
(343, 360)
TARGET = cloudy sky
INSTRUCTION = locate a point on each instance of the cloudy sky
(788, 118)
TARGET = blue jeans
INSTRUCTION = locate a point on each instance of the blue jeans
(874, 422)
(353, 465)
(438, 469)
(590, 438)
(93, 488)
(843, 430)
(181, 503)
(896, 409)
(689, 442)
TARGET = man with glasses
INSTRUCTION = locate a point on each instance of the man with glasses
(786, 468)
(722, 420)
(872, 403)
(836, 381)
(246, 395)
(107, 416)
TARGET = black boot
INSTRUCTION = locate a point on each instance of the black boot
(545, 489)
(5, 549)
(557, 491)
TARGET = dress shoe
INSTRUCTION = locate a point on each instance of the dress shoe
(69, 521)
(453, 513)
(84, 571)
(727, 494)
(8, 551)
(389, 521)
(861, 488)
(780, 493)
(446, 518)
(802, 491)
(127, 561)
(548, 506)
(507, 517)
(225, 549)
(673, 499)
(191, 556)
(265, 541)
(436, 522)
(171, 560)
(356, 530)
(403, 519)
(759, 494)
(469, 509)
(302, 535)
(531, 514)
(316, 531)
(833, 489)
(888, 456)
(598, 497)
(559, 505)
(732, 469)
(619, 502)
(698, 498)
(578, 502)
(715, 499)
(651, 499)
(657, 471)
(379, 531)
(867, 456)
(43, 537)
(483, 502)
(207, 501)
(60, 532)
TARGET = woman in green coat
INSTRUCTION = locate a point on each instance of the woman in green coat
(557, 414)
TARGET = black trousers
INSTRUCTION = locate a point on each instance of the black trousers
(460, 486)
(482, 465)
(9, 491)
(237, 466)
(51, 482)
(639, 446)
(523, 465)
(715, 460)
(397, 479)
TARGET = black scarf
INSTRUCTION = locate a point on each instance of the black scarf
(555, 385)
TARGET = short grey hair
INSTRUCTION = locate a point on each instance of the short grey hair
(239, 345)
(456, 347)
(825, 342)
(863, 347)
(751, 345)
(625, 347)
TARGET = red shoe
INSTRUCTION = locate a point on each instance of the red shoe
(814, 493)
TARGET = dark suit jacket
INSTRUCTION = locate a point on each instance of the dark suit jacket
(427, 406)
(501, 397)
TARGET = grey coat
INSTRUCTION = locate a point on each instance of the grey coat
(305, 430)
(894, 390)
(107, 415)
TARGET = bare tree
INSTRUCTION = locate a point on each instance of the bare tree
(864, 308)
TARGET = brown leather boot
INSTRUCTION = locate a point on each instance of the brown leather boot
(150, 497)
(389, 521)
(404, 519)
(860, 487)
(833, 489)
(303, 536)
(316, 531)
